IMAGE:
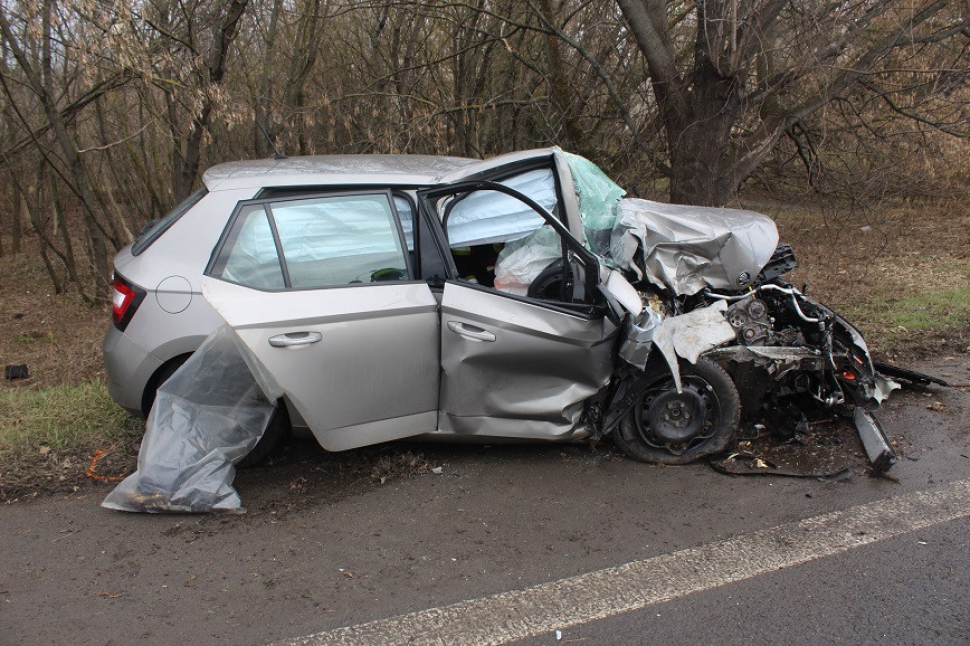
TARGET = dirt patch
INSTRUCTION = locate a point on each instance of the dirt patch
(829, 448)
(58, 336)
(867, 264)
(60, 472)
(925, 345)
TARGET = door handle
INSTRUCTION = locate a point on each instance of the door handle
(470, 331)
(294, 339)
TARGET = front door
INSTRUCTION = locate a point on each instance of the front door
(523, 341)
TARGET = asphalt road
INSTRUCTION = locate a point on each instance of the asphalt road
(322, 549)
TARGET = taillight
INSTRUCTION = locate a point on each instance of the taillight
(125, 300)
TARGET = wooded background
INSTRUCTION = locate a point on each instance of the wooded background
(110, 109)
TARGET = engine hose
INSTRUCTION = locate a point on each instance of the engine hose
(794, 293)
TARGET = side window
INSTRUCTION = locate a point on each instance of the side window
(324, 241)
(341, 240)
(249, 256)
(498, 241)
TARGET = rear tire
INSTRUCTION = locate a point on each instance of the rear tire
(668, 427)
(277, 432)
(160, 377)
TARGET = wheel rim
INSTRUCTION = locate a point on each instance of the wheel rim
(676, 422)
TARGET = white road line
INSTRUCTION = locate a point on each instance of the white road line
(580, 599)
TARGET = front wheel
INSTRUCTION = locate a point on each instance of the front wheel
(668, 427)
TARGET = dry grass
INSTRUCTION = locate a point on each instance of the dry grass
(901, 274)
(50, 434)
(52, 423)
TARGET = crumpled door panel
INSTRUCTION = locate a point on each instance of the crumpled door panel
(531, 379)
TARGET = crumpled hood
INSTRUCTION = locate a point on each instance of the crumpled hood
(688, 248)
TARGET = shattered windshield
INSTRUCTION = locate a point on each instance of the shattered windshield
(598, 196)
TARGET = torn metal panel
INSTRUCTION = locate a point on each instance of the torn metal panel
(878, 447)
(687, 336)
(872, 388)
(687, 248)
(638, 337)
(624, 293)
(883, 386)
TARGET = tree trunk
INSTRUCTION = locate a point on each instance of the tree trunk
(186, 169)
(16, 230)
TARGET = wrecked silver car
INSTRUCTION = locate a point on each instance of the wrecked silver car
(526, 298)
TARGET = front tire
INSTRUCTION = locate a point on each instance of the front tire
(668, 427)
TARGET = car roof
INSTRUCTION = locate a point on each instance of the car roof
(385, 170)
(401, 170)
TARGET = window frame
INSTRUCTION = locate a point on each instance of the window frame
(218, 256)
(571, 248)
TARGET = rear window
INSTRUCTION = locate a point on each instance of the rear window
(158, 227)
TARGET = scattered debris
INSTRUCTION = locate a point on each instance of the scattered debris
(16, 371)
(94, 476)
(910, 376)
(828, 452)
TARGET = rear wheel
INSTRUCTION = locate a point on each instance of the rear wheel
(277, 432)
(160, 377)
(668, 427)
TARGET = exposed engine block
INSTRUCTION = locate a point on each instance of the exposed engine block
(749, 318)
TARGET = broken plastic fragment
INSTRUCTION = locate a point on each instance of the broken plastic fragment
(686, 335)
(881, 454)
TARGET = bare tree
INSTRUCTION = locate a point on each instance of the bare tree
(205, 31)
(732, 77)
(39, 77)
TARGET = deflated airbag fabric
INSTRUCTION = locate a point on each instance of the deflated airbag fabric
(521, 261)
(486, 217)
(207, 417)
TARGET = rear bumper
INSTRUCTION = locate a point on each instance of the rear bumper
(129, 367)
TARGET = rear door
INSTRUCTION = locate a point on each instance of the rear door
(524, 342)
(322, 291)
